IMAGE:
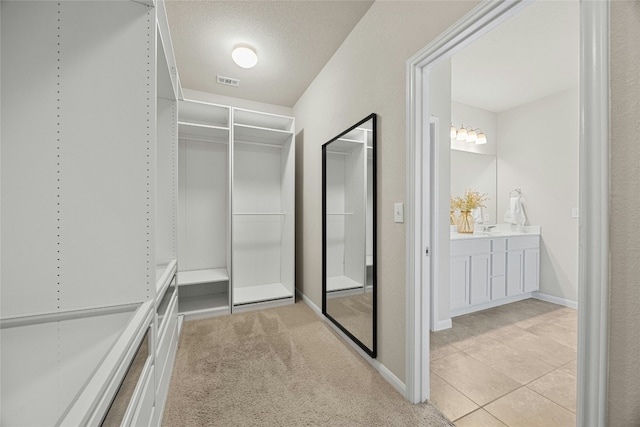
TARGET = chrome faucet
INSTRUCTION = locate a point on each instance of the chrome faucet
(487, 228)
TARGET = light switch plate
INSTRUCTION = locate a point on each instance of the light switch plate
(398, 212)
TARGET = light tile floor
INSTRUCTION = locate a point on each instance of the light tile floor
(513, 365)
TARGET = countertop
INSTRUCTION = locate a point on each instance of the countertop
(500, 230)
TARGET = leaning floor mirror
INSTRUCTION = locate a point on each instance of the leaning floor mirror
(349, 232)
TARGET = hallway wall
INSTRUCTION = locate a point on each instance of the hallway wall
(367, 75)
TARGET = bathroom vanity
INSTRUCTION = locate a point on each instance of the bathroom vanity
(493, 268)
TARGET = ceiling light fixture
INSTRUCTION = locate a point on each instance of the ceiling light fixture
(245, 56)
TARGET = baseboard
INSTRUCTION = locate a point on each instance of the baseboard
(556, 300)
(382, 370)
(490, 304)
(442, 325)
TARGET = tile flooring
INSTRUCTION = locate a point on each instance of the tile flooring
(513, 365)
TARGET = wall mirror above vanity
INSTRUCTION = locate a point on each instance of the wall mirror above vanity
(477, 171)
(349, 232)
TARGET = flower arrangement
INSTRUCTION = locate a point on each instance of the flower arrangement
(471, 200)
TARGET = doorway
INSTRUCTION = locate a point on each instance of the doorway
(593, 198)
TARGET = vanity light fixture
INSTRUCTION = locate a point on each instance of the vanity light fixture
(472, 136)
(482, 139)
(244, 56)
(454, 131)
(462, 134)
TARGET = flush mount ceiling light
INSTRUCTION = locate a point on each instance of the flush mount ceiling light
(245, 56)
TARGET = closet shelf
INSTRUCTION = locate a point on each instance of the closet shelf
(257, 293)
(198, 306)
(260, 135)
(194, 277)
(260, 213)
(200, 132)
(341, 283)
(262, 120)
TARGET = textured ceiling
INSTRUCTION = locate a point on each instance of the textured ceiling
(531, 56)
(293, 39)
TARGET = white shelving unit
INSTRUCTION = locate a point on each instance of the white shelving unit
(89, 193)
(204, 209)
(263, 210)
(236, 205)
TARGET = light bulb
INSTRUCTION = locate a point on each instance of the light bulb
(482, 139)
(454, 131)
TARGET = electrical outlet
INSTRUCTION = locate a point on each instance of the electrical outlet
(398, 212)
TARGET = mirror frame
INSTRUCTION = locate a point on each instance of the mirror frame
(372, 352)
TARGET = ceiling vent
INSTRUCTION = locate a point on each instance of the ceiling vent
(228, 81)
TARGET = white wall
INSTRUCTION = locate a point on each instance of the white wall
(538, 153)
(367, 74)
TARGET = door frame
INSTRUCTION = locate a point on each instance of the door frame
(593, 262)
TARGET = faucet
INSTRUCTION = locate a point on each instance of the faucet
(488, 228)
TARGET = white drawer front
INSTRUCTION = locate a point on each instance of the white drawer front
(499, 245)
(523, 242)
(470, 247)
(144, 412)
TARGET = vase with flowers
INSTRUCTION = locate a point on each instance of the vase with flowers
(465, 204)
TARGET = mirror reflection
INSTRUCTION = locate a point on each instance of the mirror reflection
(476, 171)
(349, 233)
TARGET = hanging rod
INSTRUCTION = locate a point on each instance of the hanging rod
(259, 213)
(257, 143)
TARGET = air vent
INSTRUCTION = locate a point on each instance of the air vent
(228, 81)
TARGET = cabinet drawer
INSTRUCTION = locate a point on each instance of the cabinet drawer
(143, 415)
(524, 242)
(499, 245)
(469, 247)
(167, 335)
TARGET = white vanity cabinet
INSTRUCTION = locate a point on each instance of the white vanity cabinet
(486, 272)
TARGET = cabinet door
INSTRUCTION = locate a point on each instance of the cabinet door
(514, 272)
(479, 283)
(498, 288)
(531, 270)
(459, 282)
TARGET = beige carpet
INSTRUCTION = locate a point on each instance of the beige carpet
(280, 367)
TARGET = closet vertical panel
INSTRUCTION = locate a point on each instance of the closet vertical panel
(166, 185)
(108, 153)
(29, 162)
(288, 254)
